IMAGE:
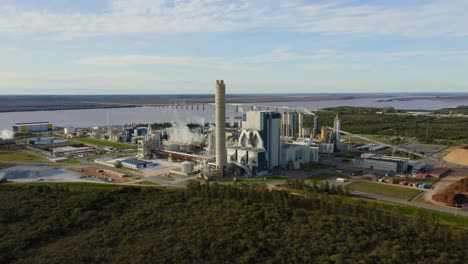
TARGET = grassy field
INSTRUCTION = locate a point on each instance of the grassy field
(411, 211)
(105, 143)
(15, 156)
(3, 165)
(428, 181)
(145, 182)
(383, 189)
(402, 155)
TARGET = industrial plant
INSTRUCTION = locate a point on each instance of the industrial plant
(257, 143)
(238, 144)
(220, 140)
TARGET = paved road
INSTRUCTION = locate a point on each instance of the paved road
(415, 204)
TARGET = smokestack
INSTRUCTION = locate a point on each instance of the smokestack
(337, 128)
(300, 124)
(220, 102)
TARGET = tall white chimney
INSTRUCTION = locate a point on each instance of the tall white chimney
(220, 102)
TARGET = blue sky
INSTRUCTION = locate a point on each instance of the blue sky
(183, 46)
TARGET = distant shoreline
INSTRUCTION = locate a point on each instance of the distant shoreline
(64, 109)
(30, 103)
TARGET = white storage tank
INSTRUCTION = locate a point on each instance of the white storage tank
(69, 130)
(186, 167)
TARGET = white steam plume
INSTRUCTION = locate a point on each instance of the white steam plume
(305, 111)
(181, 133)
(7, 134)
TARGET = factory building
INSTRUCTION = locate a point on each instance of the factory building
(128, 134)
(250, 153)
(294, 156)
(149, 144)
(35, 127)
(326, 148)
(45, 141)
(292, 123)
(268, 125)
(140, 131)
(382, 163)
(136, 164)
(292, 126)
(314, 154)
(316, 130)
(70, 152)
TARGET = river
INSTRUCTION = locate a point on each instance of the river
(120, 116)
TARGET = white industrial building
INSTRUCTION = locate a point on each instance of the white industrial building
(34, 127)
(69, 130)
(294, 156)
(259, 147)
(136, 164)
(70, 151)
(268, 126)
(149, 143)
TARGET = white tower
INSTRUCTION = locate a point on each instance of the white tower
(337, 128)
(220, 102)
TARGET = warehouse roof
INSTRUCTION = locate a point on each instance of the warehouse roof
(136, 162)
(32, 123)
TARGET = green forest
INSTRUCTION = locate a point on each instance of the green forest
(239, 223)
(364, 120)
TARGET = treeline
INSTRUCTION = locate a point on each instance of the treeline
(154, 126)
(301, 184)
(463, 109)
(159, 126)
(427, 129)
(212, 223)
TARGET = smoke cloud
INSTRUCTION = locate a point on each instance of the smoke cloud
(7, 134)
(180, 133)
(305, 111)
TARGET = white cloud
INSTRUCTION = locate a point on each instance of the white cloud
(436, 18)
(144, 59)
(277, 55)
(133, 82)
(71, 82)
(390, 55)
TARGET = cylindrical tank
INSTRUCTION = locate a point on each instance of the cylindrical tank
(186, 167)
(69, 130)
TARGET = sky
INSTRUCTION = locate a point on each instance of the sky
(261, 46)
